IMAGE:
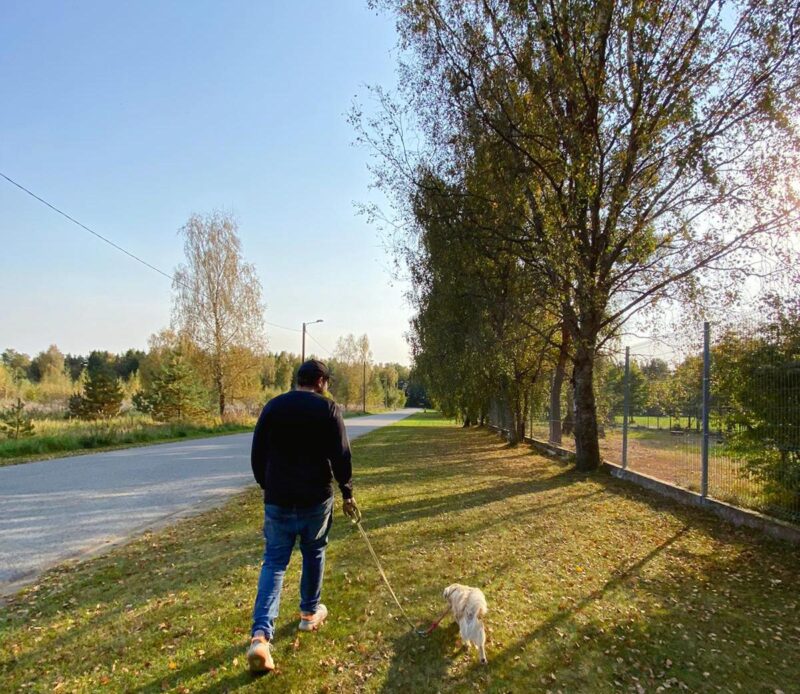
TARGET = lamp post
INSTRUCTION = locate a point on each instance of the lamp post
(303, 354)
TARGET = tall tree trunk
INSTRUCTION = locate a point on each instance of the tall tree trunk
(556, 385)
(587, 448)
(568, 423)
(221, 401)
(219, 382)
(513, 431)
(522, 415)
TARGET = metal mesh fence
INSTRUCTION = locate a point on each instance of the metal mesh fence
(652, 420)
(754, 407)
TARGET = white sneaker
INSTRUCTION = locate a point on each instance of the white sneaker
(311, 621)
(259, 656)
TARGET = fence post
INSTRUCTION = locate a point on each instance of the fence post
(706, 406)
(626, 408)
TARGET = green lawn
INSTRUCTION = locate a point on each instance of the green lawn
(593, 586)
(664, 422)
(677, 460)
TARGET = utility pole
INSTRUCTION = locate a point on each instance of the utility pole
(303, 352)
(364, 387)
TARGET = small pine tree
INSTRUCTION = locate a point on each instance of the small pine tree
(101, 399)
(15, 423)
(174, 392)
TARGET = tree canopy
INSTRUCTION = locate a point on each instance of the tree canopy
(631, 147)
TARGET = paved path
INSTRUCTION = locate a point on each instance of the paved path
(56, 509)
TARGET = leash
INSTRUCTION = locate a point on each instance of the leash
(355, 519)
(436, 623)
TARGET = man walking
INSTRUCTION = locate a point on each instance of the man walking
(299, 446)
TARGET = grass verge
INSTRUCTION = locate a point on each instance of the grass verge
(593, 586)
(102, 436)
(57, 438)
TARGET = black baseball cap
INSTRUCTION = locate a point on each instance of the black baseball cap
(311, 370)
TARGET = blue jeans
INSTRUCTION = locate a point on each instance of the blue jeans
(282, 526)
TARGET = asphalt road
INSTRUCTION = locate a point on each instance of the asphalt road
(57, 509)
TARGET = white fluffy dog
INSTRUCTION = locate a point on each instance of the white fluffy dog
(468, 606)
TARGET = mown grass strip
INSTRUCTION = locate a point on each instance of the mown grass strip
(57, 438)
(593, 586)
(101, 437)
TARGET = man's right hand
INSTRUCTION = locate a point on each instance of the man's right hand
(351, 510)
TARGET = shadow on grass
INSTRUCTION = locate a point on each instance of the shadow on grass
(403, 512)
(190, 588)
(229, 682)
(652, 640)
(471, 480)
(119, 593)
(689, 630)
(423, 666)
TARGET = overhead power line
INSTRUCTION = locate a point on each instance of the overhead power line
(319, 343)
(283, 327)
(115, 245)
(83, 226)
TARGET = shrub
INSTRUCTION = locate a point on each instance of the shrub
(15, 423)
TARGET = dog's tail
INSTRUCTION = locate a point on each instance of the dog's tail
(475, 616)
(474, 624)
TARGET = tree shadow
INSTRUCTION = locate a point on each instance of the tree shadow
(234, 680)
(387, 514)
(633, 612)
(682, 629)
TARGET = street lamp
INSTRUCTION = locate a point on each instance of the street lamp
(303, 355)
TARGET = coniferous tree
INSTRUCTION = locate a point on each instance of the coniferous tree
(15, 423)
(101, 399)
(174, 392)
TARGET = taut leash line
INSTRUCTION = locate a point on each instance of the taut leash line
(356, 520)
(386, 580)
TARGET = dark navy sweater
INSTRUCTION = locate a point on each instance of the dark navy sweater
(299, 446)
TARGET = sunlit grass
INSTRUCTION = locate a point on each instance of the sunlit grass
(53, 437)
(593, 586)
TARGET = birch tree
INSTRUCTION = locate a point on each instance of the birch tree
(217, 302)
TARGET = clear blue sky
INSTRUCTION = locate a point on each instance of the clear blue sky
(131, 116)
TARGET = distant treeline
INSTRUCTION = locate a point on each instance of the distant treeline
(171, 380)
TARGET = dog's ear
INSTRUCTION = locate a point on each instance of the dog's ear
(447, 591)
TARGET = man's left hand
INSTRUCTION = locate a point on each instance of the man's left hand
(351, 510)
